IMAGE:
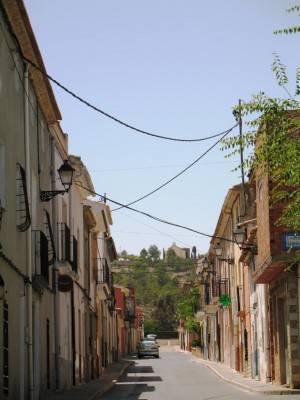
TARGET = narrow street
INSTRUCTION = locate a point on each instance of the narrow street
(175, 375)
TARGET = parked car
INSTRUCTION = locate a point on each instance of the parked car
(148, 348)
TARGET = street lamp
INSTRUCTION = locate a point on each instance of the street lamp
(218, 250)
(66, 175)
(206, 263)
(240, 236)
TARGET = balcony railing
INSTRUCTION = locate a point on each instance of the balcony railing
(40, 261)
(23, 212)
(220, 287)
(240, 298)
(49, 234)
(74, 258)
(101, 271)
(64, 242)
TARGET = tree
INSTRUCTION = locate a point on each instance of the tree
(194, 252)
(274, 130)
(143, 253)
(171, 257)
(154, 253)
(164, 312)
(187, 309)
(123, 255)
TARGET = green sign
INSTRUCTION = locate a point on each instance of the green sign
(225, 300)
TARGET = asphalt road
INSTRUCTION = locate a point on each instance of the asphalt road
(174, 376)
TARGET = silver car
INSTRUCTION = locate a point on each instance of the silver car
(148, 348)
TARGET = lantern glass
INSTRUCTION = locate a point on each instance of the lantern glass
(66, 174)
(218, 250)
(205, 263)
(239, 235)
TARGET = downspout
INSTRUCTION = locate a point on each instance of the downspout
(55, 271)
(267, 336)
(29, 239)
(72, 305)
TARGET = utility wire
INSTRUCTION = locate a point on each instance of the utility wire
(112, 117)
(164, 234)
(152, 216)
(180, 173)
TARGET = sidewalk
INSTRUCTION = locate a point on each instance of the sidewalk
(231, 376)
(94, 389)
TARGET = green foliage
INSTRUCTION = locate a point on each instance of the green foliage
(274, 129)
(196, 343)
(171, 257)
(194, 252)
(158, 288)
(144, 254)
(154, 253)
(192, 326)
(164, 312)
(123, 255)
(150, 325)
(188, 306)
(292, 29)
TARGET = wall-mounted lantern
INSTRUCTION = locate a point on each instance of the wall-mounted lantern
(218, 250)
(66, 176)
(239, 235)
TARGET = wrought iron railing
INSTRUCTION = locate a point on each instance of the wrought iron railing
(64, 242)
(23, 213)
(74, 260)
(221, 287)
(49, 234)
(40, 255)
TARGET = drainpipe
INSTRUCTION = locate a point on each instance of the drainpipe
(267, 336)
(29, 239)
(72, 304)
(55, 270)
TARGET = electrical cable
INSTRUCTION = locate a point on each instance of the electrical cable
(152, 216)
(156, 230)
(180, 173)
(112, 117)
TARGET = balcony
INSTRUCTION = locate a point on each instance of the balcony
(74, 252)
(23, 212)
(40, 261)
(220, 287)
(49, 234)
(64, 243)
(103, 278)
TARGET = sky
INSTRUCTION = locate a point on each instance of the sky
(170, 68)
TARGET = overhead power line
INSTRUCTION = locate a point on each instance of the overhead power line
(111, 116)
(180, 173)
(152, 216)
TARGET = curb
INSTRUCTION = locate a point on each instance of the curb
(110, 384)
(248, 387)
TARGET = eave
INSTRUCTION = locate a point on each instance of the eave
(20, 25)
